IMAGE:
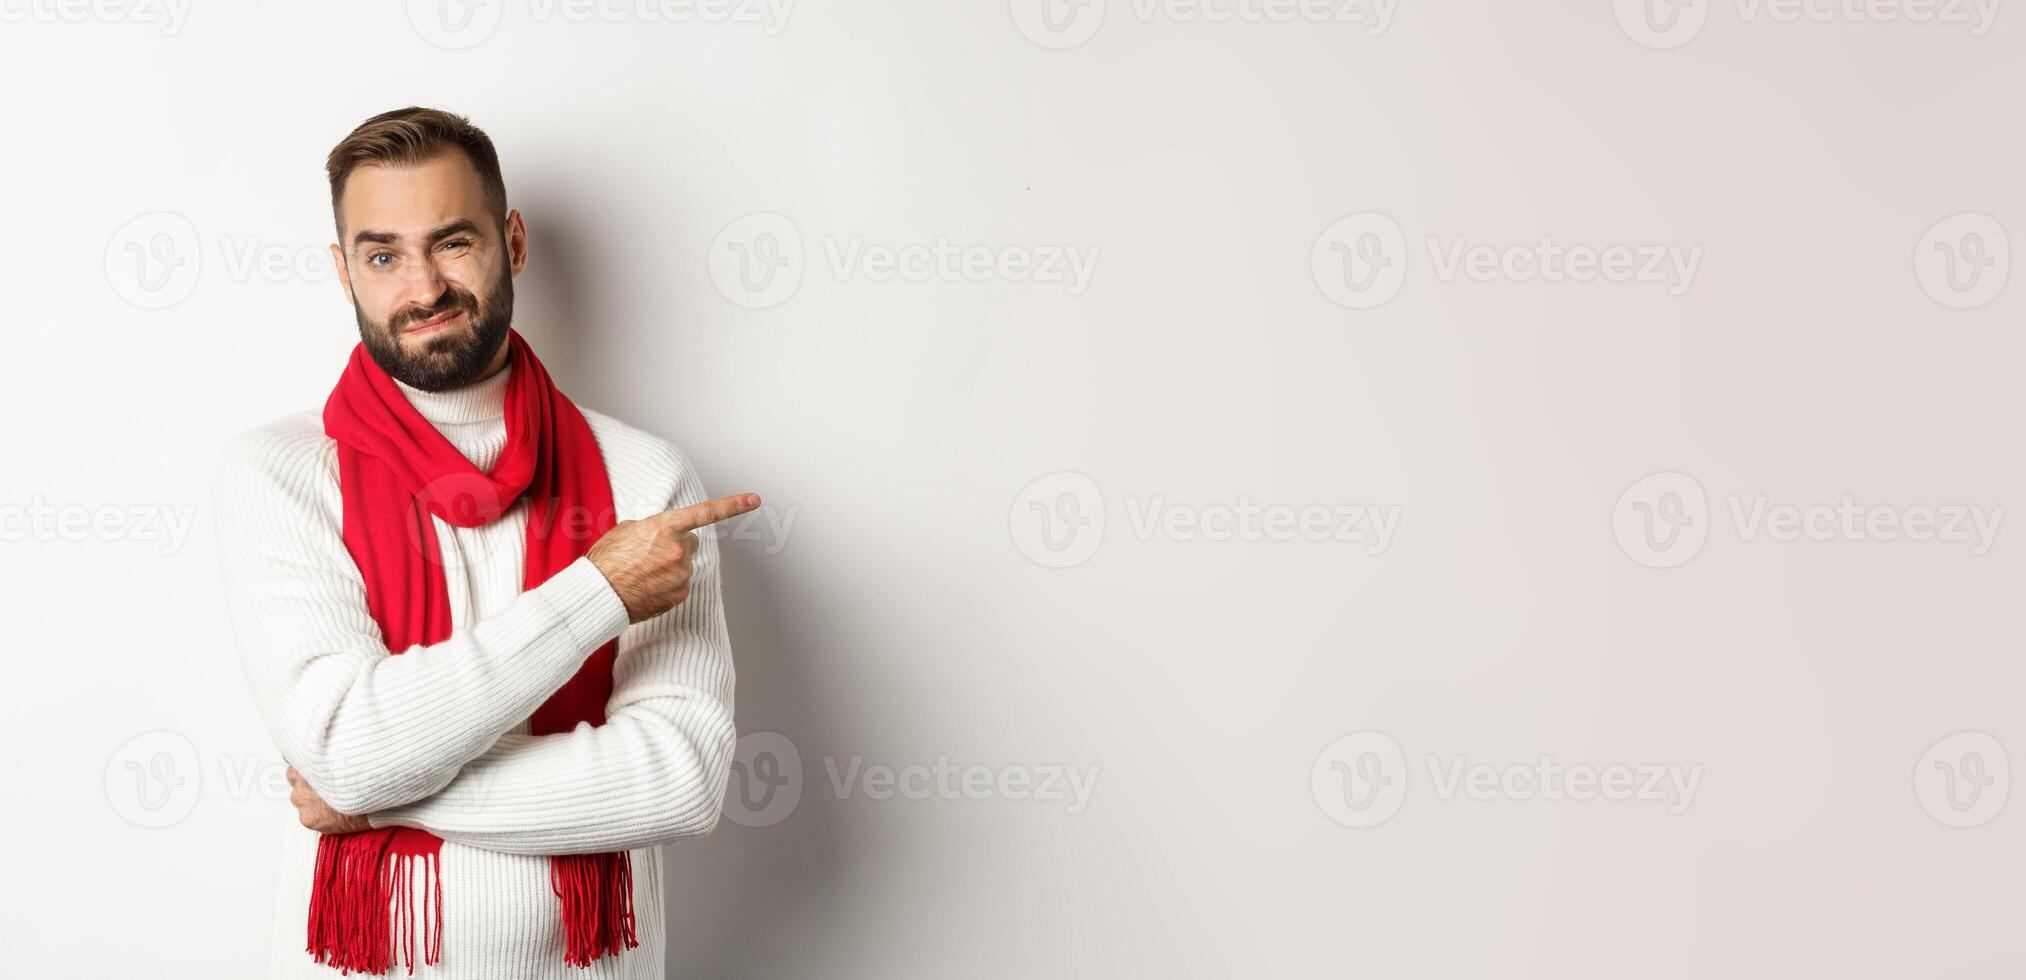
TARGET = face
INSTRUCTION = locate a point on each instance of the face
(429, 273)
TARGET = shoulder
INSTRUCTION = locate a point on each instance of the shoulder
(288, 458)
(649, 474)
(291, 446)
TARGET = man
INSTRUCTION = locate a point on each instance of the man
(482, 624)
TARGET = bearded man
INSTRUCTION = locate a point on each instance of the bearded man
(481, 623)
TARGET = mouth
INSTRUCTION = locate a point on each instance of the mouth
(432, 325)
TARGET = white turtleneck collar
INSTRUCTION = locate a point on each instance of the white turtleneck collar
(478, 402)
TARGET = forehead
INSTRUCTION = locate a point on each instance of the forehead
(408, 200)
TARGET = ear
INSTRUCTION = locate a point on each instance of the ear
(344, 273)
(516, 242)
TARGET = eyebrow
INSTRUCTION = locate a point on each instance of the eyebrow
(459, 226)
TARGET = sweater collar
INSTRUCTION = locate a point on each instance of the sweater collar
(479, 402)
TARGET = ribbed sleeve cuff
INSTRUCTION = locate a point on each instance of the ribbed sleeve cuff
(589, 608)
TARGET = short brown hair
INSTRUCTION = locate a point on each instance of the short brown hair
(404, 137)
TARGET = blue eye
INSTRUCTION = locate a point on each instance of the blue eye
(374, 259)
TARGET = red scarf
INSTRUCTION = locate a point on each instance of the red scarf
(395, 471)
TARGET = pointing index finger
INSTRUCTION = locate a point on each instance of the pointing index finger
(709, 512)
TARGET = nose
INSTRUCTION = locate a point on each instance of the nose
(422, 288)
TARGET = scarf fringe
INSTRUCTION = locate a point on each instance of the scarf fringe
(597, 894)
(360, 881)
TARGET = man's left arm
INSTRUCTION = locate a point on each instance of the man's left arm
(654, 772)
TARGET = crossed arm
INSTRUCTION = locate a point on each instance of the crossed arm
(654, 772)
(423, 739)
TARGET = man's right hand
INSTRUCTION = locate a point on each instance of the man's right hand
(647, 561)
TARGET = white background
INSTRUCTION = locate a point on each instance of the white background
(1818, 353)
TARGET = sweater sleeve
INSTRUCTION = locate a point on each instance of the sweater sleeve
(367, 729)
(653, 773)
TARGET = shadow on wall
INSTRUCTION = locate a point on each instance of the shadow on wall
(555, 298)
(735, 899)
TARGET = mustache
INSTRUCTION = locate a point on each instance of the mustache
(453, 301)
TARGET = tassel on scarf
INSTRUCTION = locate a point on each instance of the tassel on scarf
(363, 884)
(597, 894)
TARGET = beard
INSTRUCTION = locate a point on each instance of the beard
(449, 358)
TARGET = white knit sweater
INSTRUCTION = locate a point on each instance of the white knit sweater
(438, 737)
